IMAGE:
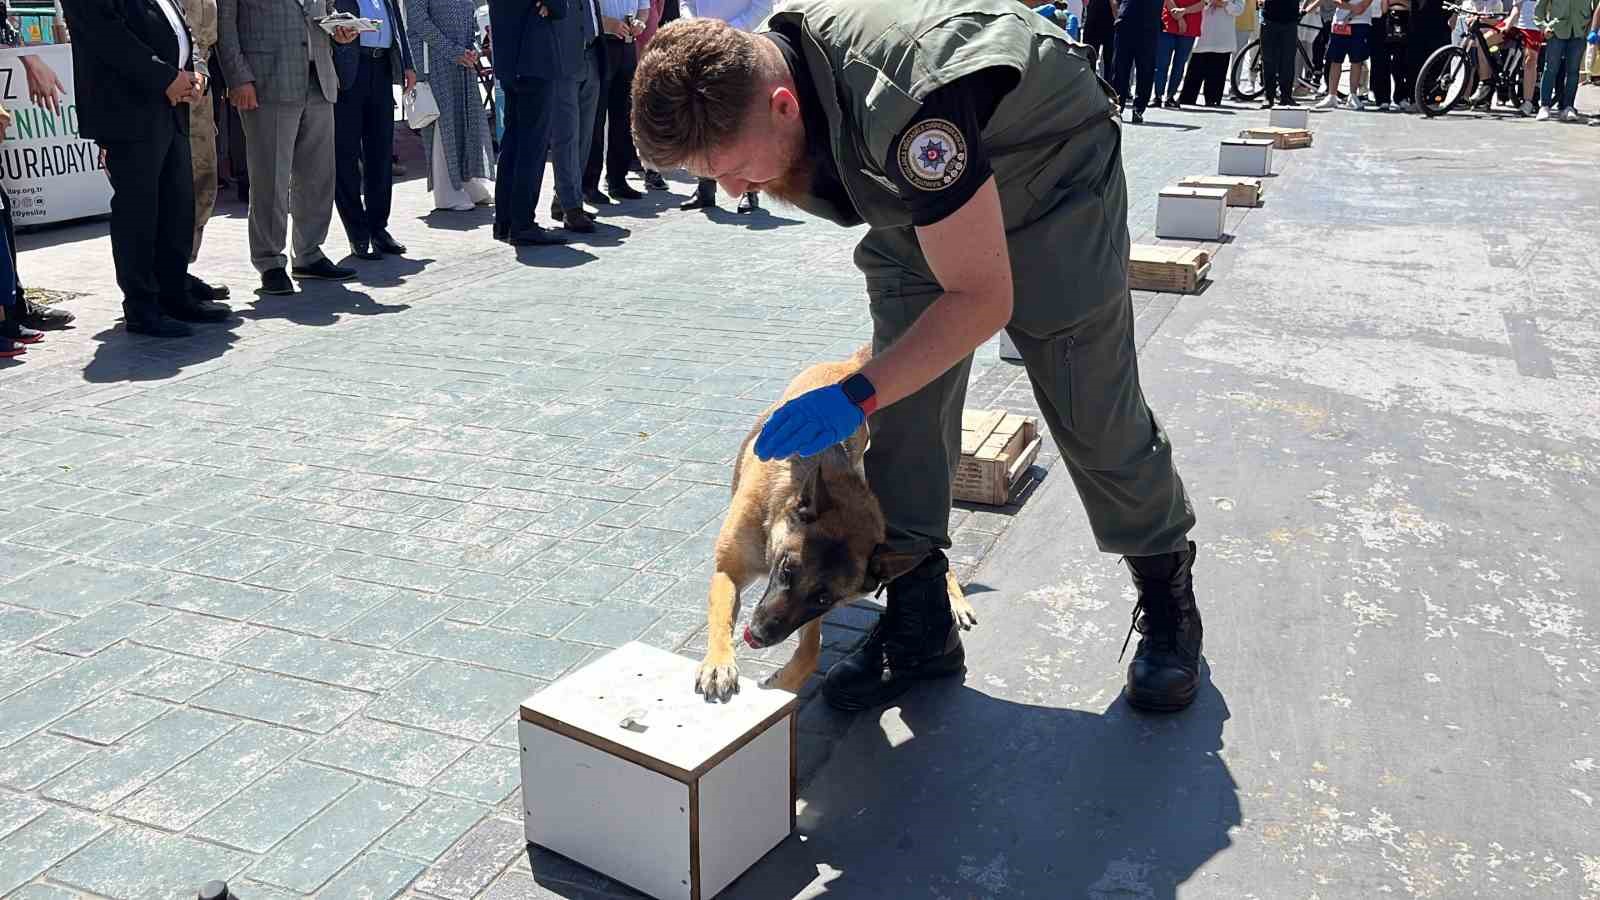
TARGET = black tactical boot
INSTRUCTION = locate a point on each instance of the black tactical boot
(1165, 673)
(916, 638)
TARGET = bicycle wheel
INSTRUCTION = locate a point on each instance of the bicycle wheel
(1444, 79)
(1246, 76)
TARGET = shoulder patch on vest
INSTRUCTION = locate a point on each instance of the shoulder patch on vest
(933, 154)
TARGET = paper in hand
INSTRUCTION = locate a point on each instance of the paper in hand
(344, 20)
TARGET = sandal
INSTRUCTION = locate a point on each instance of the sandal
(19, 332)
(10, 349)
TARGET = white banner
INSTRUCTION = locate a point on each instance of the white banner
(49, 172)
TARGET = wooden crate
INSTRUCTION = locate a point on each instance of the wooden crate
(629, 771)
(1167, 270)
(1281, 138)
(997, 447)
(1242, 191)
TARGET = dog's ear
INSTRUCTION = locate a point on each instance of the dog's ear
(814, 499)
(886, 565)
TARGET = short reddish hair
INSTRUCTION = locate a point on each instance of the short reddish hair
(692, 90)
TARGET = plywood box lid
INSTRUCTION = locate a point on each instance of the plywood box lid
(673, 729)
(1173, 190)
(1159, 254)
(1247, 142)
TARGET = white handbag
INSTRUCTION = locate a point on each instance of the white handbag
(420, 108)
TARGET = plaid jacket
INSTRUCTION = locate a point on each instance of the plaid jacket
(266, 42)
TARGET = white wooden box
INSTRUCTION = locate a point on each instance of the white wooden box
(629, 771)
(1190, 213)
(1245, 156)
(1008, 348)
(1289, 117)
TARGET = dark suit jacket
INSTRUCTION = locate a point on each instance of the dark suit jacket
(347, 57)
(122, 61)
(525, 43)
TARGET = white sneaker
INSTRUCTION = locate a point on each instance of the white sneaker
(1391, 107)
(1527, 108)
(1544, 113)
(1329, 102)
(1356, 104)
(1570, 115)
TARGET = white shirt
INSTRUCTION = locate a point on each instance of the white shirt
(1525, 16)
(742, 14)
(175, 19)
(1217, 29)
(1362, 18)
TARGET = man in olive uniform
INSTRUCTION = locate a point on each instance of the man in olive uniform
(202, 16)
(976, 142)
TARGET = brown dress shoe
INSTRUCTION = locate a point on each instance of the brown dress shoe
(577, 220)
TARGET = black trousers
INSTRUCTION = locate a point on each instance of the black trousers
(1135, 46)
(152, 214)
(1390, 69)
(615, 155)
(1208, 71)
(1104, 41)
(1279, 59)
(363, 138)
(523, 151)
(1421, 43)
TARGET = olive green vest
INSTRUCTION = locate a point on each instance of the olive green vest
(1052, 142)
(875, 61)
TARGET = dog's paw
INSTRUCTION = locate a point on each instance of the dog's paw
(964, 615)
(717, 681)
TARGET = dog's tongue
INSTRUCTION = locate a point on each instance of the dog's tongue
(750, 639)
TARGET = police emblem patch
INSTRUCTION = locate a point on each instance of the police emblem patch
(933, 154)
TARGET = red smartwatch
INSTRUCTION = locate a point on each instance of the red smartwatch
(858, 390)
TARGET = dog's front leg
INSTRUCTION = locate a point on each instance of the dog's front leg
(718, 678)
(794, 673)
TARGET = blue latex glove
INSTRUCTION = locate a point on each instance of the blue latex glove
(809, 424)
(1594, 37)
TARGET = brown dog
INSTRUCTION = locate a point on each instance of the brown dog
(815, 529)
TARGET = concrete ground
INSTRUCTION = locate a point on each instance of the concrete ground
(268, 597)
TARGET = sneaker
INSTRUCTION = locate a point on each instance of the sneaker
(1328, 102)
(1527, 108)
(1356, 104)
(37, 316)
(1391, 107)
(1544, 114)
(1570, 115)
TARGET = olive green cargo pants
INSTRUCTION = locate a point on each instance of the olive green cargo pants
(1073, 323)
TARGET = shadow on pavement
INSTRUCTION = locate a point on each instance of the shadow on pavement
(121, 356)
(760, 220)
(323, 303)
(392, 271)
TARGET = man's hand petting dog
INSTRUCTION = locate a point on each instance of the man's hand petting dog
(809, 424)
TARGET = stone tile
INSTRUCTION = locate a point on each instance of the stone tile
(506, 734)
(535, 616)
(23, 518)
(636, 547)
(375, 875)
(321, 660)
(41, 843)
(436, 824)
(60, 530)
(324, 606)
(474, 861)
(282, 701)
(233, 558)
(25, 665)
(271, 809)
(646, 587)
(496, 649)
(570, 516)
(27, 764)
(224, 599)
(110, 719)
(585, 582)
(194, 635)
(57, 695)
(517, 884)
(305, 566)
(401, 616)
(20, 626)
(179, 798)
(510, 555)
(72, 587)
(107, 779)
(387, 751)
(612, 623)
(138, 863)
(485, 775)
(476, 612)
(455, 699)
(101, 628)
(689, 511)
(554, 559)
(309, 857)
(180, 678)
(113, 535)
(16, 812)
(155, 544)
(673, 630)
(494, 588)
(43, 892)
(401, 573)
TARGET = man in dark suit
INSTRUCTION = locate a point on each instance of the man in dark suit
(137, 71)
(363, 125)
(527, 60)
(577, 94)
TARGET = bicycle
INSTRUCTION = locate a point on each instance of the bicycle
(1450, 74)
(1247, 79)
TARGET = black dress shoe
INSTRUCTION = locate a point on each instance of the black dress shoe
(154, 324)
(534, 236)
(324, 270)
(46, 317)
(915, 639)
(276, 281)
(698, 200)
(623, 191)
(363, 250)
(654, 181)
(384, 243)
(500, 231)
(199, 290)
(188, 309)
(1138, 117)
(1164, 675)
(594, 197)
(576, 220)
(749, 203)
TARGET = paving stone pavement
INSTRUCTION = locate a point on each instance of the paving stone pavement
(269, 596)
